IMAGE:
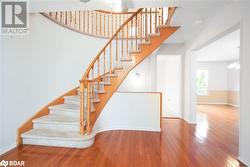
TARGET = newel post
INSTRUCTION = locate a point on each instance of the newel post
(82, 108)
(88, 125)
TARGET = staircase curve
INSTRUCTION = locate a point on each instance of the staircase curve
(68, 121)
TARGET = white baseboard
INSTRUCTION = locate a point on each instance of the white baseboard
(218, 104)
(234, 105)
(245, 162)
(7, 148)
(190, 121)
(212, 103)
(103, 129)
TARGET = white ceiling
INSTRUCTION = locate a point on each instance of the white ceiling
(223, 49)
(192, 17)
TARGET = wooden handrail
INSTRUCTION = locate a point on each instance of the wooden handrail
(122, 43)
(108, 43)
(118, 13)
(171, 12)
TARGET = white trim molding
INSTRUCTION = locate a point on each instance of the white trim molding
(7, 148)
(190, 121)
(113, 128)
(212, 103)
(244, 161)
(233, 105)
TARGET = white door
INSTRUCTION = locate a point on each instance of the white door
(168, 82)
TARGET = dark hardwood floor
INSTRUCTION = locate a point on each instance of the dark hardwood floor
(213, 142)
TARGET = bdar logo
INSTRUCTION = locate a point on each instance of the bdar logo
(4, 163)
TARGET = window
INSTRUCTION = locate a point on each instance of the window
(202, 82)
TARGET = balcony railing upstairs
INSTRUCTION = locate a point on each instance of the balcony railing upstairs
(104, 24)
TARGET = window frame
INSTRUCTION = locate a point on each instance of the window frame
(202, 91)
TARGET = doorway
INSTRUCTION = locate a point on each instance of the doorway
(218, 89)
(169, 83)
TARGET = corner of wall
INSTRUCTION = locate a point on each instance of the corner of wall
(1, 95)
(245, 162)
(5, 149)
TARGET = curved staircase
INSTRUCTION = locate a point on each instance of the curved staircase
(89, 22)
(69, 120)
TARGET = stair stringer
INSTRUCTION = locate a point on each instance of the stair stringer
(28, 125)
(146, 50)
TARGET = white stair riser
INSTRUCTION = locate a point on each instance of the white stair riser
(59, 143)
(59, 127)
(101, 89)
(107, 79)
(64, 112)
(69, 101)
(77, 101)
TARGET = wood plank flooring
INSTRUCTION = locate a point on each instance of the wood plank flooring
(213, 142)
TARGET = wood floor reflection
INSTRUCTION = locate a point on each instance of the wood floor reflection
(213, 142)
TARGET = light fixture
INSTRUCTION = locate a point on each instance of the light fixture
(136, 80)
(198, 22)
(237, 66)
(137, 74)
(117, 9)
(119, 6)
(234, 65)
(84, 1)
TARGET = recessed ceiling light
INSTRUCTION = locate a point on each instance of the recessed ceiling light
(119, 9)
(198, 22)
(84, 1)
(119, 6)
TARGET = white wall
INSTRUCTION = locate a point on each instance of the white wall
(40, 67)
(220, 77)
(130, 111)
(145, 81)
(148, 70)
(244, 132)
(223, 83)
(171, 49)
(177, 49)
(169, 83)
(233, 79)
(217, 74)
(189, 86)
(1, 94)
